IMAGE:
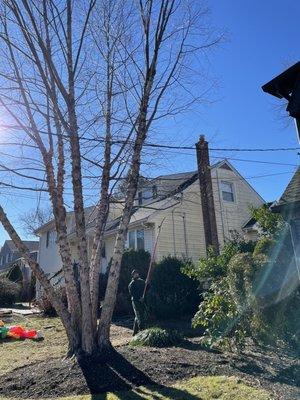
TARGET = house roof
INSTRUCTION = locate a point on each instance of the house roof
(168, 186)
(32, 245)
(292, 191)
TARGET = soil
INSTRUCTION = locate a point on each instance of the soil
(135, 366)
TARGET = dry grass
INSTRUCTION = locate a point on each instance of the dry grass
(15, 354)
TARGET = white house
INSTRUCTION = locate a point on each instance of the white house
(174, 199)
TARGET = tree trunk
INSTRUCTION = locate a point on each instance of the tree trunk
(74, 340)
(114, 273)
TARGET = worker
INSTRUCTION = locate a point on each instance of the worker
(136, 289)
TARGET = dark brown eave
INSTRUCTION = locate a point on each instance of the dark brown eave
(283, 84)
(291, 207)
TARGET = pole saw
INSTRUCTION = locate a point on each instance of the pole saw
(150, 269)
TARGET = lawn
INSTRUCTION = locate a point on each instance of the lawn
(202, 388)
(16, 354)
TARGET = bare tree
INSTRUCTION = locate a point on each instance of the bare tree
(82, 85)
(34, 219)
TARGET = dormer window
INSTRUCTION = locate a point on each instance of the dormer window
(154, 191)
(140, 198)
(147, 194)
(144, 196)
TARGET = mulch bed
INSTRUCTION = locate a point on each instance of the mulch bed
(131, 367)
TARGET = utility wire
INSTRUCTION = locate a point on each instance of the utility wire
(171, 147)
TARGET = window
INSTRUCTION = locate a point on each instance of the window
(154, 191)
(140, 198)
(131, 240)
(50, 238)
(227, 191)
(145, 195)
(136, 240)
(140, 241)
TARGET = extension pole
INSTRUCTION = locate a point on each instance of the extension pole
(152, 259)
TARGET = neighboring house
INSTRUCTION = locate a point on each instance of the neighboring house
(9, 254)
(174, 199)
(289, 207)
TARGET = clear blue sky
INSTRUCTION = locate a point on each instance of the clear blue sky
(262, 40)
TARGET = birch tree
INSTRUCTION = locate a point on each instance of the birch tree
(82, 85)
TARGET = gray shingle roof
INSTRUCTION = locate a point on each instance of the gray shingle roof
(32, 245)
(292, 191)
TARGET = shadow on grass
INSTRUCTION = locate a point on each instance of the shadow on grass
(116, 374)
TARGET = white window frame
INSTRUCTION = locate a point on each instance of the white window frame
(146, 195)
(135, 233)
(50, 238)
(232, 192)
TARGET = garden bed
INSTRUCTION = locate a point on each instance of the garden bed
(49, 376)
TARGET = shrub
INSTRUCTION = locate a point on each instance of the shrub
(9, 292)
(252, 292)
(264, 246)
(270, 223)
(172, 294)
(215, 266)
(156, 337)
(132, 259)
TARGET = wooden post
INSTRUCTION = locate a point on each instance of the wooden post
(207, 198)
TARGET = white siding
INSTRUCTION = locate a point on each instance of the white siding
(148, 237)
(231, 216)
(188, 240)
(182, 232)
(49, 258)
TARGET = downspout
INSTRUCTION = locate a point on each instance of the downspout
(184, 227)
(173, 227)
(294, 249)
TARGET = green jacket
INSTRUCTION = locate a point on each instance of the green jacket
(136, 289)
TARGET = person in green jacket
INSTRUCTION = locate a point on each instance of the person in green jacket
(136, 289)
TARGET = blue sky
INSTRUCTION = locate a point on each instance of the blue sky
(262, 40)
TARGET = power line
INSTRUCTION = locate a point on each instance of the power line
(257, 161)
(222, 149)
(171, 147)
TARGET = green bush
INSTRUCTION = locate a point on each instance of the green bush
(215, 266)
(264, 246)
(172, 294)
(156, 337)
(132, 259)
(9, 292)
(251, 290)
